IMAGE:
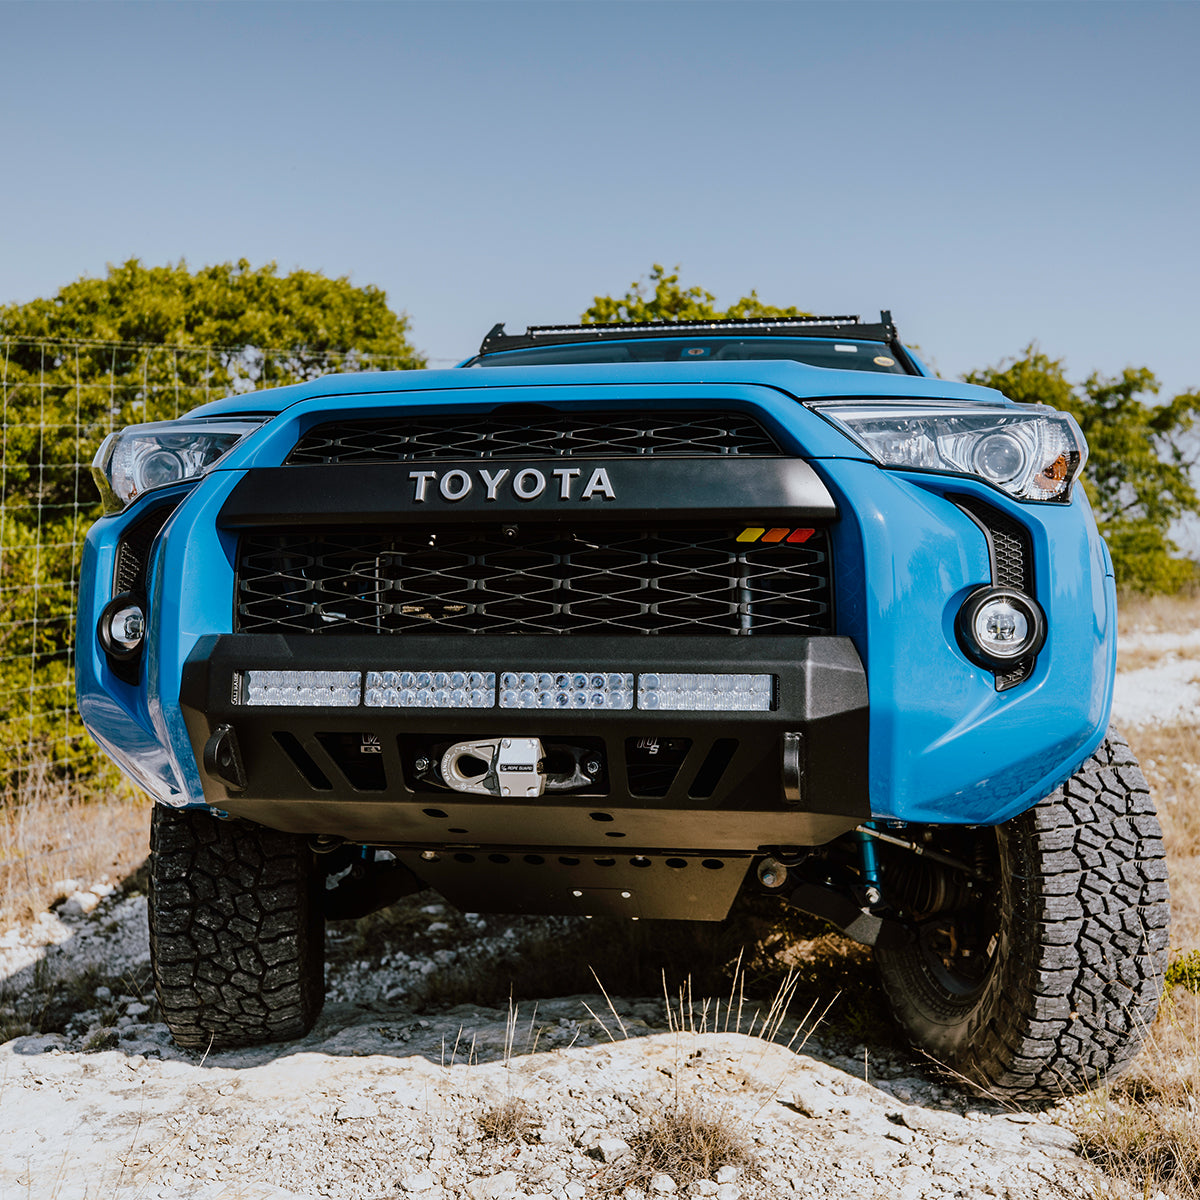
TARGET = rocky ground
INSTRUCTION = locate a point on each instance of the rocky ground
(400, 1092)
(560, 1099)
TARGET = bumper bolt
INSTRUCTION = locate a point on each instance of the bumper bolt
(422, 765)
(772, 874)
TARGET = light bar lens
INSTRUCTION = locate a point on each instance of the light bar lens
(565, 690)
(560, 691)
(431, 689)
(304, 689)
(705, 693)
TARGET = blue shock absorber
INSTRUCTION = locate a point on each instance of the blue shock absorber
(870, 865)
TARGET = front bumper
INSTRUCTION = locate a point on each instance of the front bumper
(723, 788)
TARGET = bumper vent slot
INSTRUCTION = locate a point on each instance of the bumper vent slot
(133, 552)
(1008, 545)
(614, 580)
(1011, 554)
(548, 435)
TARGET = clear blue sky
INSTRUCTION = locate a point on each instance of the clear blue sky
(992, 172)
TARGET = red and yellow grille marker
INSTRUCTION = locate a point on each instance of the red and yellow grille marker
(760, 533)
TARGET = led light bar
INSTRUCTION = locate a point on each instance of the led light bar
(553, 690)
(720, 324)
(565, 689)
(431, 689)
(705, 693)
(303, 689)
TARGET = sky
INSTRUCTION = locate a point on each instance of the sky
(992, 173)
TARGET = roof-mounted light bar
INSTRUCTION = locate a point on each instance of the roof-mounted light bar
(498, 339)
(719, 324)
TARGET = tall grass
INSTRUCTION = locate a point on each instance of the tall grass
(52, 834)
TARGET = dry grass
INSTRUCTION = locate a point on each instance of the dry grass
(1145, 1127)
(1170, 757)
(1179, 613)
(53, 835)
(683, 1141)
(508, 1121)
(1137, 657)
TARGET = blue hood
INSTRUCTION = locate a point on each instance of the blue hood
(796, 379)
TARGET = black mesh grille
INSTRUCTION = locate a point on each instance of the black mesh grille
(606, 581)
(1011, 552)
(1012, 567)
(133, 552)
(538, 435)
(1010, 545)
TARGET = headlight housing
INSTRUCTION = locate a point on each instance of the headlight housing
(141, 458)
(1031, 453)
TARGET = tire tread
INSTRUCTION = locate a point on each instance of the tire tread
(236, 932)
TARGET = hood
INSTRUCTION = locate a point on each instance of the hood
(796, 379)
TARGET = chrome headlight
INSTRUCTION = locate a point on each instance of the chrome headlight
(140, 458)
(1032, 453)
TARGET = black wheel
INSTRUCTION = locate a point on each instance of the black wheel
(1046, 980)
(237, 935)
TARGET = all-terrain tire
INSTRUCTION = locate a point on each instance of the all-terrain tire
(1081, 930)
(237, 935)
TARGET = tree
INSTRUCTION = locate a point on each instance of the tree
(140, 344)
(1141, 455)
(670, 302)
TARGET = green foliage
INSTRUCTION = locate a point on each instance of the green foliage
(140, 344)
(304, 314)
(1138, 475)
(670, 302)
(1185, 972)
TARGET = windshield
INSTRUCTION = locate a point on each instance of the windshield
(815, 352)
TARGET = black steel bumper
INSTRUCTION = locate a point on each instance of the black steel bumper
(796, 775)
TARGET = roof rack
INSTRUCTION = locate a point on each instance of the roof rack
(549, 335)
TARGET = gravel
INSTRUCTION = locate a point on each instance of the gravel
(381, 1101)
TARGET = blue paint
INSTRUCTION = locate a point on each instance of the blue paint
(867, 859)
(945, 746)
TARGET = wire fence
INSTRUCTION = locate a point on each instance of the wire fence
(58, 400)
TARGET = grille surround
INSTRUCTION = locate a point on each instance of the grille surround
(540, 434)
(616, 580)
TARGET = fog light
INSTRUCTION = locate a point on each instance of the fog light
(998, 627)
(122, 626)
(1001, 629)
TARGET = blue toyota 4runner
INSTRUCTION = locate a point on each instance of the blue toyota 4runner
(649, 616)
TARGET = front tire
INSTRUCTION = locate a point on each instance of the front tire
(1076, 927)
(237, 934)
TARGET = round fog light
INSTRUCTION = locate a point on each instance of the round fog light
(122, 627)
(998, 627)
(1001, 629)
